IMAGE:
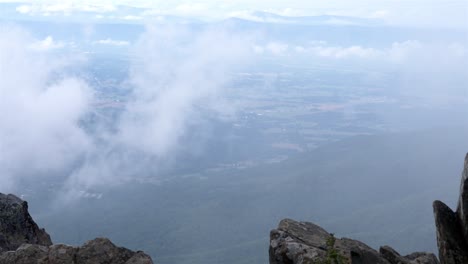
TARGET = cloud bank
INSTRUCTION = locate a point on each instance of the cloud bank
(171, 78)
(175, 73)
(39, 112)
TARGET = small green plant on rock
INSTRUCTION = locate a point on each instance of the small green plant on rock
(333, 256)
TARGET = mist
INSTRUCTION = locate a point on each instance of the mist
(170, 82)
(39, 113)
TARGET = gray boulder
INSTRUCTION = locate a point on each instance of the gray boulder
(306, 243)
(394, 257)
(103, 251)
(25, 254)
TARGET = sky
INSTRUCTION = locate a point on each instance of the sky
(419, 13)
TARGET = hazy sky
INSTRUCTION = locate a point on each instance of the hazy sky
(445, 13)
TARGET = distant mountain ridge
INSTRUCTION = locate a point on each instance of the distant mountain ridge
(261, 16)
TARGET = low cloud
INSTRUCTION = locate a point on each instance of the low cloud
(112, 42)
(175, 75)
(39, 112)
(47, 44)
(397, 52)
(190, 9)
(63, 8)
(342, 52)
(253, 16)
(172, 78)
(182, 10)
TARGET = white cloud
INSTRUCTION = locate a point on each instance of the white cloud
(250, 15)
(173, 78)
(63, 8)
(24, 9)
(289, 12)
(345, 52)
(112, 42)
(190, 9)
(277, 48)
(400, 51)
(199, 10)
(339, 22)
(47, 44)
(379, 14)
(174, 74)
(39, 114)
(132, 18)
(397, 52)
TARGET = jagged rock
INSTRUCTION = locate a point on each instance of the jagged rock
(394, 257)
(450, 239)
(296, 242)
(24, 243)
(140, 258)
(359, 252)
(102, 250)
(302, 242)
(17, 226)
(97, 251)
(25, 254)
(62, 254)
(422, 257)
(452, 227)
(462, 209)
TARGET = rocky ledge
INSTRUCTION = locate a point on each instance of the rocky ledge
(302, 242)
(306, 243)
(23, 242)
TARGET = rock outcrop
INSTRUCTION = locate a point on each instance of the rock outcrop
(97, 251)
(306, 243)
(452, 227)
(17, 226)
(23, 242)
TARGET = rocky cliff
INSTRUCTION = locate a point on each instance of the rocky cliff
(452, 227)
(23, 242)
(17, 226)
(301, 242)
